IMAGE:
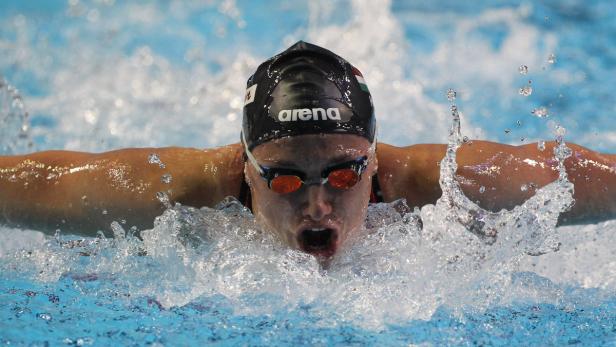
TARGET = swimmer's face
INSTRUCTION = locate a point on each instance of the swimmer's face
(317, 219)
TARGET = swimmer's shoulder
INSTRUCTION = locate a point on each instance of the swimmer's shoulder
(413, 172)
(410, 172)
(206, 176)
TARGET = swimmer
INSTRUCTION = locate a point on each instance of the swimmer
(307, 164)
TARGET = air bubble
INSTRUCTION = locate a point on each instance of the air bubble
(482, 189)
(524, 187)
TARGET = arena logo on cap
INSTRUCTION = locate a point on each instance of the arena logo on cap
(306, 114)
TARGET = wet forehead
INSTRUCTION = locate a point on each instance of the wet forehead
(311, 150)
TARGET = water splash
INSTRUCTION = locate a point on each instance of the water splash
(14, 121)
(410, 264)
(407, 265)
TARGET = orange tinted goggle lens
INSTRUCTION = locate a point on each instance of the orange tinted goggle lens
(285, 184)
(343, 178)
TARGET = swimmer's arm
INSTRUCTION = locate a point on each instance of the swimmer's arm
(503, 171)
(83, 192)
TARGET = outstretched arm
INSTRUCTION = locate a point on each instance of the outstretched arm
(509, 174)
(83, 192)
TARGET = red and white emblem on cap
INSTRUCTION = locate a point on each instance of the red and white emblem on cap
(250, 94)
(360, 79)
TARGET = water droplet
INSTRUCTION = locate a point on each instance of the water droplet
(523, 69)
(541, 112)
(524, 187)
(118, 231)
(541, 145)
(105, 212)
(507, 131)
(551, 58)
(526, 90)
(163, 198)
(451, 95)
(518, 123)
(155, 159)
(166, 178)
(83, 341)
(522, 139)
(482, 189)
(44, 316)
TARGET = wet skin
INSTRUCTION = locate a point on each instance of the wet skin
(326, 210)
(82, 193)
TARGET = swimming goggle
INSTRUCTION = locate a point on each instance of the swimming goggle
(341, 176)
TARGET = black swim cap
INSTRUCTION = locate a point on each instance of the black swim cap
(306, 90)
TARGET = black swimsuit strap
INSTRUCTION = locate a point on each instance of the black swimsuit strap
(245, 196)
(376, 195)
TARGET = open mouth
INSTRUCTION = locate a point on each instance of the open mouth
(318, 241)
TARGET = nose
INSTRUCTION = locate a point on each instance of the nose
(318, 204)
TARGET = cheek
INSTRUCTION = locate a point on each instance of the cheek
(354, 203)
(271, 208)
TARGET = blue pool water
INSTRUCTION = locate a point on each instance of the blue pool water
(98, 75)
(61, 313)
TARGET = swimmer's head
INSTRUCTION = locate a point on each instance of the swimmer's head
(306, 90)
(309, 137)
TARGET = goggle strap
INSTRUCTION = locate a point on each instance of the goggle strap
(251, 158)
